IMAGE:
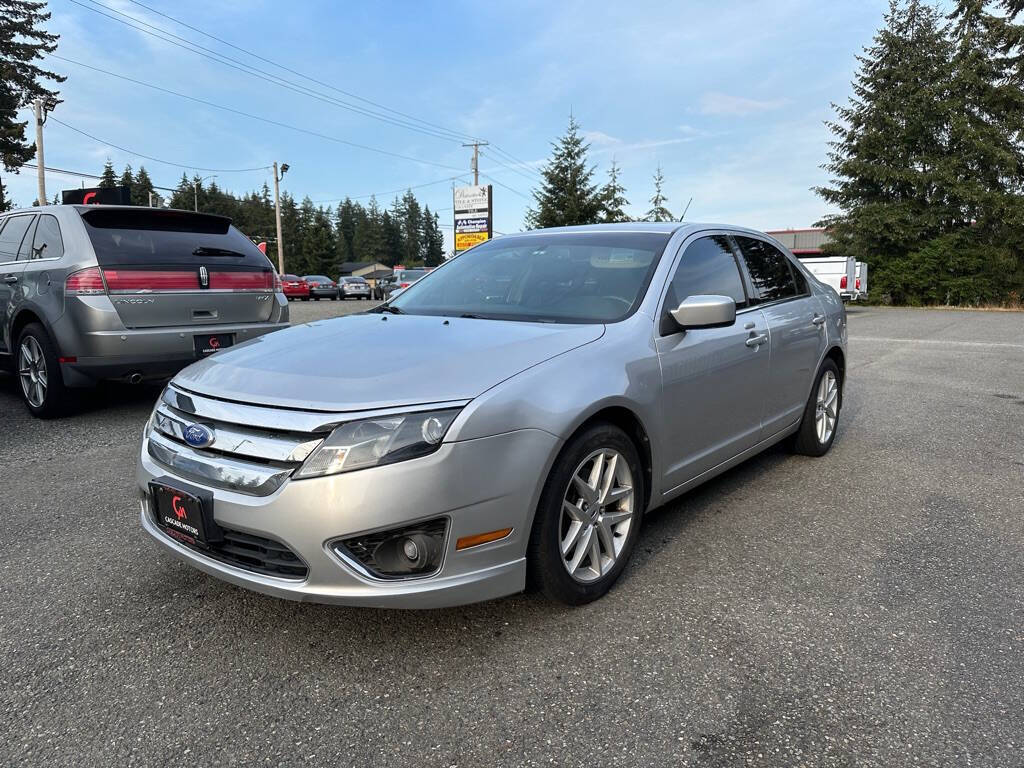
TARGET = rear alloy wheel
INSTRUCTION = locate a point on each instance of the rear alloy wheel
(588, 518)
(821, 414)
(38, 368)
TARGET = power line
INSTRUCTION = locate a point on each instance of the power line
(531, 179)
(520, 163)
(247, 69)
(390, 192)
(80, 174)
(461, 136)
(506, 186)
(164, 35)
(157, 159)
(254, 117)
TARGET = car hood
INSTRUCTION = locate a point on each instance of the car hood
(363, 362)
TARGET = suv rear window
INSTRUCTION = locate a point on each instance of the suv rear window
(123, 236)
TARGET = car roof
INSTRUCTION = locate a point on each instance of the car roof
(655, 227)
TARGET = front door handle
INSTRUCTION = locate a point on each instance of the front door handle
(756, 341)
(818, 320)
(11, 279)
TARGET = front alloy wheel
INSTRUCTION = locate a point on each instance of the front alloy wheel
(596, 515)
(826, 410)
(589, 516)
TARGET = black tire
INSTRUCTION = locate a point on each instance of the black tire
(806, 441)
(56, 399)
(546, 569)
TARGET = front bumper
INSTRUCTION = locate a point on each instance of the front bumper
(460, 482)
(324, 293)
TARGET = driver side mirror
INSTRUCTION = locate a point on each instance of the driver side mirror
(704, 312)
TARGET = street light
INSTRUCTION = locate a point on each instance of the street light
(277, 215)
(195, 190)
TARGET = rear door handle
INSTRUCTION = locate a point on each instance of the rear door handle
(11, 279)
(756, 341)
(818, 320)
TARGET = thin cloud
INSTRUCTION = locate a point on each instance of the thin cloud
(737, 106)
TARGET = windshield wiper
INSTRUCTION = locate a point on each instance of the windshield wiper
(205, 251)
(471, 316)
(389, 309)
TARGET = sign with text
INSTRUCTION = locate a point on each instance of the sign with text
(473, 216)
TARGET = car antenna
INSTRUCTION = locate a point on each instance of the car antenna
(683, 216)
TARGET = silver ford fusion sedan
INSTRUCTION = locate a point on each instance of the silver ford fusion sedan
(508, 420)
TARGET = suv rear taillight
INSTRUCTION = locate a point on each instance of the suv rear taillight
(278, 285)
(85, 282)
(242, 281)
(151, 280)
(842, 283)
(857, 284)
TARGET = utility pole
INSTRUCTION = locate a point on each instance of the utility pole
(476, 160)
(40, 163)
(277, 215)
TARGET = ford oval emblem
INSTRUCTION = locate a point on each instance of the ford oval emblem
(198, 436)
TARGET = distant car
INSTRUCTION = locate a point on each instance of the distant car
(403, 278)
(321, 287)
(92, 293)
(295, 287)
(353, 288)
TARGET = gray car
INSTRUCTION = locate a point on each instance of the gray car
(92, 293)
(513, 416)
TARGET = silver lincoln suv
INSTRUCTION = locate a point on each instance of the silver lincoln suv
(91, 293)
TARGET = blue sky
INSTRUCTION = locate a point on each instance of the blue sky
(729, 98)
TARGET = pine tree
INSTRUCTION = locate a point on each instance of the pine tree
(291, 235)
(22, 42)
(566, 195)
(433, 239)
(658, 211)
(142, 188)
(346, 230)
(613, 198)
(109, 178)
(127, 178)
(411, 225)
(181, 198)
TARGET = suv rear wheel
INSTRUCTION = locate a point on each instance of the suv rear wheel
(38, 370)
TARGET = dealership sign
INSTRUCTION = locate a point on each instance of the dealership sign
(473, 216)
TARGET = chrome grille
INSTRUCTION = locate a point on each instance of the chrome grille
(251, 453)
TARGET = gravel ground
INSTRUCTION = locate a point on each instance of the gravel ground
(865, 608)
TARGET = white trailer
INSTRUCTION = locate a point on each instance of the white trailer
(835, 271)
(860, 285)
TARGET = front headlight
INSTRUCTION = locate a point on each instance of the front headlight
(383, 440)
(151, 421)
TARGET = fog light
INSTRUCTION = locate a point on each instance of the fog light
(432, 430)
(407, 552)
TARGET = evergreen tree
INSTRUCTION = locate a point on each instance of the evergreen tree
(290, 234)
(926, 167)
(127, 178)
(318, 246)
(368, 242)
(346, 230)
(658, 211)
(613, 198)
(22, 42)
(411, 225)
(182, 198)
(109, 178)
(567, 195)
(433, 239)
(142, 187)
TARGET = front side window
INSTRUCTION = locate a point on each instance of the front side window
(47, 243)
(11, 236)
(585, 277)
(708, 267)
(769, 269)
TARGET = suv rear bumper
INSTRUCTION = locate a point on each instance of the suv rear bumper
(155, 353)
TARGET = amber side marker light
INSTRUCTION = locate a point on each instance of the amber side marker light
(481, 538)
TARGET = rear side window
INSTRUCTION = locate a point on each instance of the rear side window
(144, 236)
(708, 267)
(11, 236)
(769, 269)
(47, 243)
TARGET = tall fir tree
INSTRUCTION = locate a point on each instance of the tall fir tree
(613, 198)
(127, 178)
(433, 239)
(658, 210)
(22, 42)
(411, 225)
(142, 187)
(109, 178)
(346, 230)
(567, 194)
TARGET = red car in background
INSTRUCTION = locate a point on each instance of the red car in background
(295, 287)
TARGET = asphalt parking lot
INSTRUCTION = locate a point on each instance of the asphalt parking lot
(866, 608)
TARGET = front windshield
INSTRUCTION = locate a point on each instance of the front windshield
(585, 277)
